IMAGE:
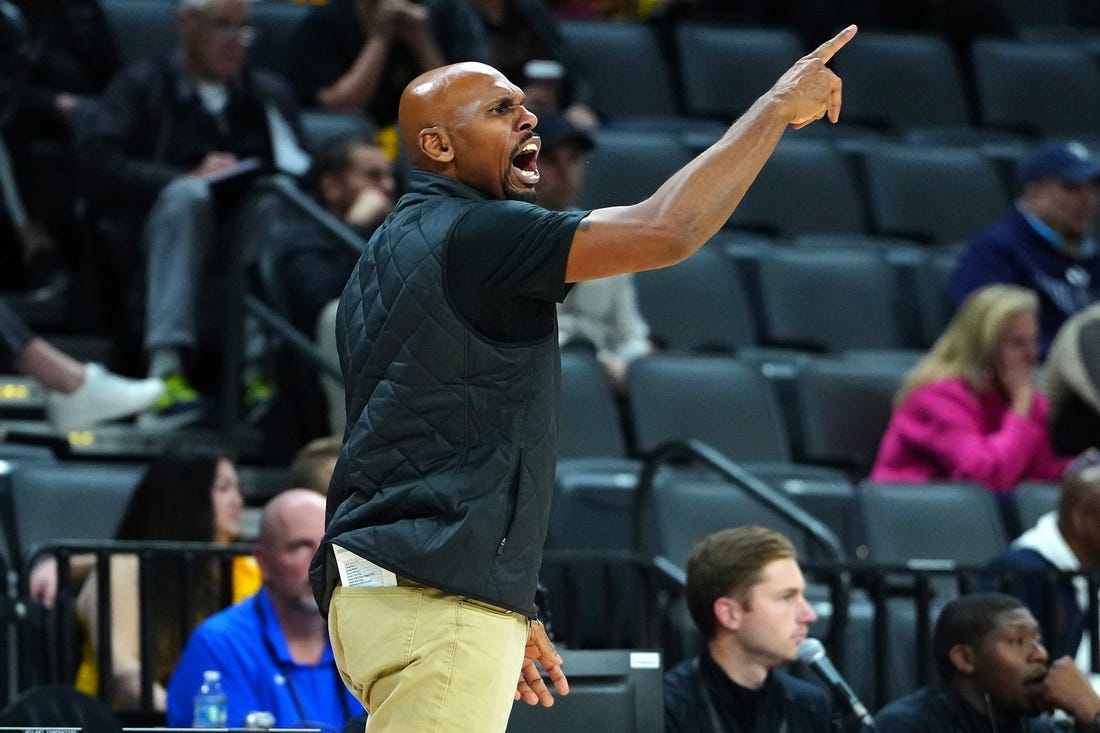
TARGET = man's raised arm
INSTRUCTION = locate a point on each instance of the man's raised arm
(692, 205)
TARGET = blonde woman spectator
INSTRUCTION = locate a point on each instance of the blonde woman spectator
(970, 410)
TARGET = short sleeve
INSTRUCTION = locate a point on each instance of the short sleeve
(514, 250)
(505, 264)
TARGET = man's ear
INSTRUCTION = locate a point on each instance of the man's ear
(962, 656)
(728, 612)
(435, 144)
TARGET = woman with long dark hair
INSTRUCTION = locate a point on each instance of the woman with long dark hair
(190, 494)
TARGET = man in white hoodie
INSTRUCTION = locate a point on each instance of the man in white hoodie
(1066, 540)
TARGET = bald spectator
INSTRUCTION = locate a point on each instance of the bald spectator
(1062, 540)
(272, 649)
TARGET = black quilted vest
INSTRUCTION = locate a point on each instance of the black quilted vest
(447, 466)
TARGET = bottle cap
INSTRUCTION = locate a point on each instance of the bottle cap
(259, 719)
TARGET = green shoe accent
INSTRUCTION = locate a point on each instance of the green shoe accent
(258, 390)
(177, 391)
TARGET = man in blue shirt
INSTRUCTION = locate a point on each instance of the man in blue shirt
(272, 649)
(1045, 242)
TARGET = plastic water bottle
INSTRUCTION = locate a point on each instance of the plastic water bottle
(210, 708)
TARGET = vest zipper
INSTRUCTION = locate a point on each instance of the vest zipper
(510, 513)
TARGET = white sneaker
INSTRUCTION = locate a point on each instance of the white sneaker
(103, 396)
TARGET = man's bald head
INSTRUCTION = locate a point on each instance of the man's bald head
(434, 100)
(1079, 507)
(290, 507)
(467, 121)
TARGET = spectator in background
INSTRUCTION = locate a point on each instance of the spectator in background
(354, 182)
(994, 676)
(61, 56)
(1071, 381)
(189, 494)
(313, 465)
(598, 314)
(358, 55)
(969, 410)
(163, 132)
(79, 395)
(1062, 540)
(1045, 242)
(272, 649)
(529, 48)
(745, 592)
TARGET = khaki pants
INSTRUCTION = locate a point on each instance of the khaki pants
(424, 661)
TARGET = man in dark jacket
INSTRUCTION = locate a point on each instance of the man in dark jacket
(1045, 242)
(745, 594)
(1062, 541)
(994, 675)
(440, 499)
(164, 132)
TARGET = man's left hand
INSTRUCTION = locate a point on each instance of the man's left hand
(532, 688)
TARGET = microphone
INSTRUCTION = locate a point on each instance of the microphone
(812, 654)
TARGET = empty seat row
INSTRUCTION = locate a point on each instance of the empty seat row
(830, 296)
(893, 81)
(822, 419)
(820, 186)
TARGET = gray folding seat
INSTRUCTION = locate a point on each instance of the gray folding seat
(934, 194)
(788, 197)
(626, 68)
(899, 81)
(1041, 89)
(698, 305)
(627, 166)
(844, 406)
(723, 69)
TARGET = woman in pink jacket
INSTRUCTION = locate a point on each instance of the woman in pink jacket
(969, 410)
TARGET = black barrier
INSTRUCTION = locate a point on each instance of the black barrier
(50, 641)
(597, 600)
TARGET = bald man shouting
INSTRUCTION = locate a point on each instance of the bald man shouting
(447, 335)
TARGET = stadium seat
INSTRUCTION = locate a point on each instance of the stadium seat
(698, 305)
(627, 166)
(1032, 500)
(795, 172)
(591, 424)
(915, 192)
(142, 28)
(724, 402)
(623, 62)
(898, 81)
(1025, 87)
(829, 300)
(941, 521)
(844, 406)
(33, 497)
(723, 69)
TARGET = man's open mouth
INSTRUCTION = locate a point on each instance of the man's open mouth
(525, 162)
